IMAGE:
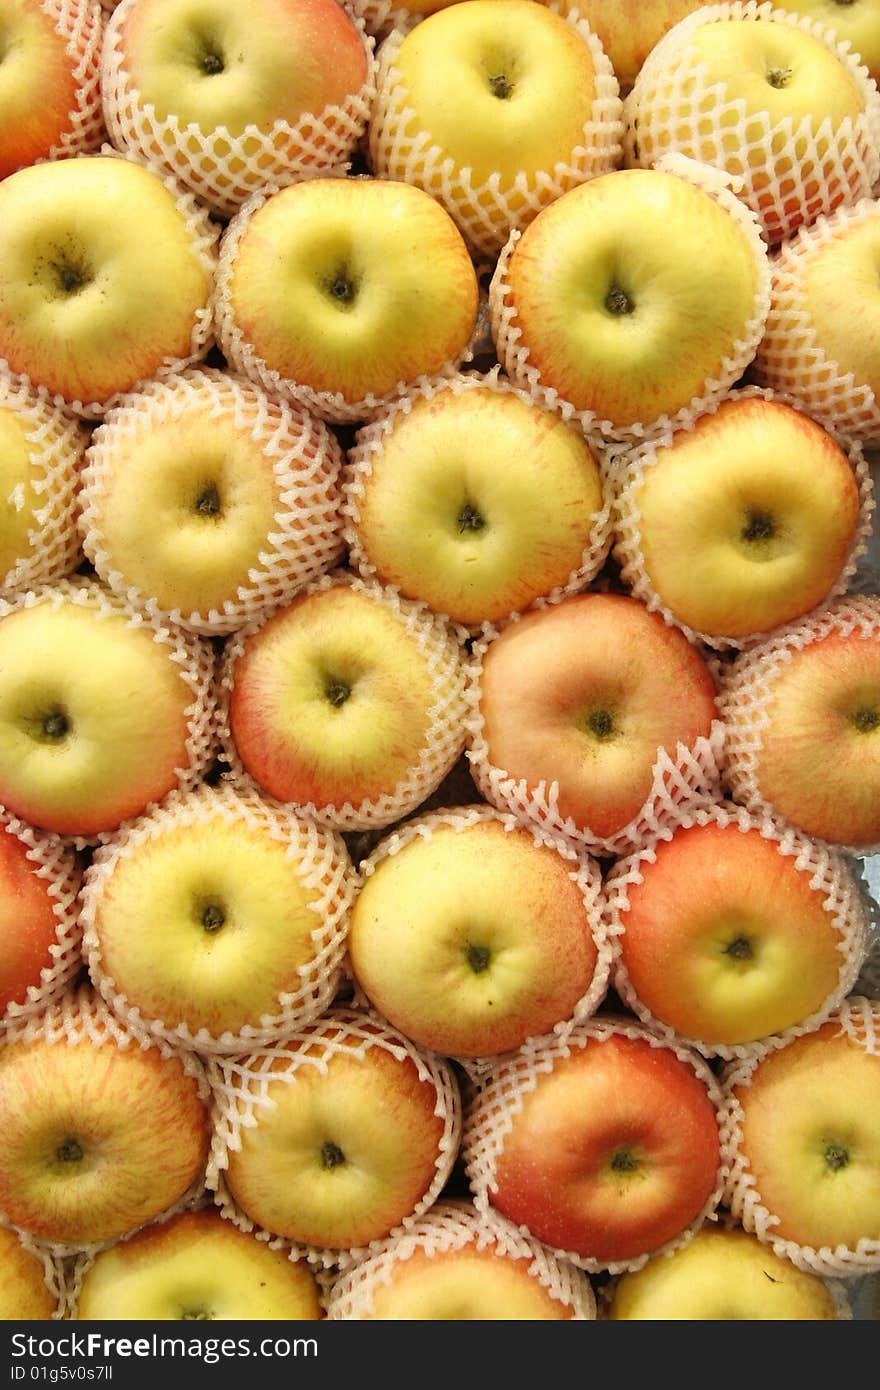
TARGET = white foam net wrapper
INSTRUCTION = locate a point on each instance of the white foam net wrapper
(498, 1099)
(584, 872)
(791, 357)
(381, 16)
(81, 24)
(790, 171)
(513, 349)
(203, 236)
(51, 860)
(306, 462)
(367, 455)
(859, 1020)
(683, 778)
(828, 874)
(321, 863)
(54, 1272)
(486, 213)
(746, 691)
(241, 1087)
(243, 357)
(193, 658)
(436, 643)
(221, 168)
(449, 1226)
(627, 474)
(57, 442)
(80, 1016)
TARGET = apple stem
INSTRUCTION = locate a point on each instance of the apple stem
(618, 302)
(331, 1155)
(501, 86)
(779, 77)
(478, 958)
(837, 1157)
(69, 1152)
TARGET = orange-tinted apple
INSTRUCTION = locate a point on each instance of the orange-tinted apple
(586, 694)
(629, 29)
(24, 1293)
(33, 880)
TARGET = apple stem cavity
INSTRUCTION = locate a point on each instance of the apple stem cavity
(624, 1162)
(501, 86)
(337, 692)
(71, 1151)
(837, 1157)
(759, 526)
(600, 724)
(71, 278)
(739, 949)
(213, 918)
(478, 958)
(208, 501)
(866, 721)
(470, 518)
(55, 726)
(341, 287)
(779, 77)
(331, 1156)
(618, 302)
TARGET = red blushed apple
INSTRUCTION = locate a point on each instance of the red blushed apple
(586, 694)
(728, 940)
(614, 1151)
(28, 920)
(24, 1293)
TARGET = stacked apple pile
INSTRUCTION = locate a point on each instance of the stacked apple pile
(437, 724)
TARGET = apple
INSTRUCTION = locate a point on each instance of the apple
(39, 929)
(475, 500)
(824, 280)
(631, 302)
(100, 1134)
(26, 1288)
(337, 1137)
(50, 97)
(854, 21)
(101, 710)
(802, 713)
(769, 98)
(41, 453)
(196, 1267)
(733, 930)
(472, 934)
(803, 1124)
(231, 99)
(629, 29)
(724, 1274)
(580, 707)
(605, 1147)
(206, 499)
(338, 292)
(87, 308)
(348, 703)
(495, 127)
(451, 1266)
(745, 521)
(217, 920)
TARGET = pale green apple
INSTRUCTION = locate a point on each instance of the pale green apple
(196, 1267)
(348, 287)
(191, 491)
(630, 292)
(856, 21)
(746, 522)
(345, 1150)
(24, 1294)
(726, 939)
(811, 1138)
(208, 919)
(472, 938)
(94, 716)
(818, 764)
(586, 694)
(335, 698)
(46, 83)
(96, 1138)
(87, 306)
(41, 453)
(215, 63)
(477, 503)
(500, 86)
(721, 1275)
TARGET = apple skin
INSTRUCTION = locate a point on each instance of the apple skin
(818, 712)
(474, 500)
(721, 1275)
(103, 312)
(745, 522)
(586, 693)
(339, 291)
(196, 1266)
(123, 704)
(604, 305)
(725, 939)
(50, 104)
(340, 698)
(29, 922)
(353, 1142)
(809, 1135)
(857, 21)
(611, 1154)
(24, 1294)
(97, 1138)
(629, 29)
(470, 936)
